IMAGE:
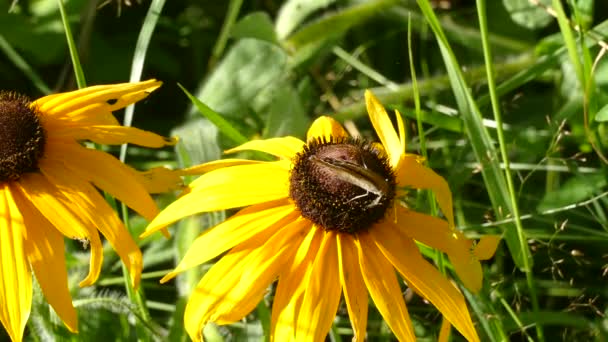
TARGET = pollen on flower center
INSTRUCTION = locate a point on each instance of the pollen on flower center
(343, 184)
(23, 138)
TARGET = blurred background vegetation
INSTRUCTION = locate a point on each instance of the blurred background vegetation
(269, 67)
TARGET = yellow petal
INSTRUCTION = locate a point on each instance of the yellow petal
(444, 331)
(232, 279)
(45, 251)
(355, 292)
(65, 215)
(263, 218)
(227, 188)
(486, 247)
(423, 278)
(384, 128)
(113, 135)
(326, 128)
(214, 165)
(262, 268)
(436, 233)
(105, 171)
(383, 287)
(15, 276)
(159, 179)
(322, 294)
(413, 174)
(105, 97)
(284, 147)
(97, 211)
(290, 290)
(402, 133)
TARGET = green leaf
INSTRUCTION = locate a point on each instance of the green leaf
(602, 114)
(527, 14)
(249, 67)
(286, 115)
(256, 25)
(293, 13)
(574, 190)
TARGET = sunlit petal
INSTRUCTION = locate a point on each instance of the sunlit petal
(113, 135)
(214, 165)
(106, 172)
(65, 215)
(436, 233)
(241, 283)
(105, 97)
(288, 298)
(284, 147)
(326, 128)
(15, 276)
(384, 128)
(224, 189)
(353, 285)
(322, 295)
(44, 247)
(251, 221)
(383, 287)
(413, 174)
(425, 279)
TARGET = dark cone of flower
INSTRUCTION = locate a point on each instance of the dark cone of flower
(344, 185)
(21, 137)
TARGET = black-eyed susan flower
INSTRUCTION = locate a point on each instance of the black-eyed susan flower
(48, 184)
(324, 219)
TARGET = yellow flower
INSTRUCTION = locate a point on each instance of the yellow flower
(323, 219)
(47, 191)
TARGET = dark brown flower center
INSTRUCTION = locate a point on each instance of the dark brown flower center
(343, 184)
(21, 137)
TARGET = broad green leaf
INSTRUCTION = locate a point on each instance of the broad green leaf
(250, 66)
(575, 189)
(602, 114)
(527, 14)
(256, 25)
(286, 115)
(294, 12)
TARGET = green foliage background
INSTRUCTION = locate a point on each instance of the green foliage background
(265, 68)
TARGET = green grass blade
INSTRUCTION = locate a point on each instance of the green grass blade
(224, 126)
(78, 73)
(523, 241)
(480, 139)
(20, 63)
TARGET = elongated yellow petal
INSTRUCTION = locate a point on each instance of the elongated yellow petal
(423, 278)
(15, 276)
(444, 331)
(230, 283)
(159, 179)
(249, 222)
(44, 247)
(106, 172)
(413, 174)
(290, 290)
(212, 288)
(214, 165)
(284, 147)
(262, 268)
(383, 287)
(113, 135)
(384, 128)
(326, 128)
(402, 133)
(224, 189)
(65, 215)
(97, 211)
(106, 97)
(436, 233)
(322, 294)
(486, 247)
(353, 285)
